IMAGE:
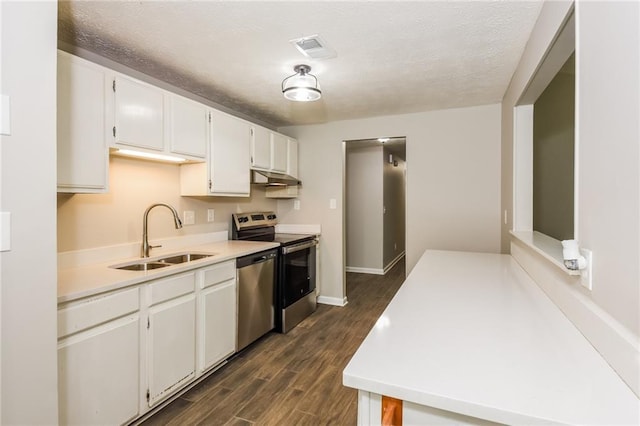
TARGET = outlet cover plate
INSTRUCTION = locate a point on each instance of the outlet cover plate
(586, 274)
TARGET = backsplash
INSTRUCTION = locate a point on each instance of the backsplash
(88, 221)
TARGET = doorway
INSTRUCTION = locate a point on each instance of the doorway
(375, 204)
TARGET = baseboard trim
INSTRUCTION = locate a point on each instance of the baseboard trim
(393, 262)
(334, 301)
(375, 271)
(358, 270)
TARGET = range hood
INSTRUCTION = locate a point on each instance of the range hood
(274, 178)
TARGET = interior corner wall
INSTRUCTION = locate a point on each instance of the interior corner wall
(364, 224)
(394, 208)
(453, 182)
(29, 389)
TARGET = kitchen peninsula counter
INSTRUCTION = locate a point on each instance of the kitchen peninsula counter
(92, 279)
(469, 337)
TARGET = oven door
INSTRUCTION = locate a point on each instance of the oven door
(297, 271)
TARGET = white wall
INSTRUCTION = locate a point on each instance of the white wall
(453, 182)
(96, 220)
(28, 167)
(608, 180)
(395, 211)
(364, 225)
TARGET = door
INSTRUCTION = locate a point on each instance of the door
(172, 346)
(218, 326)
(261, 149)
(98, 374)
(82, 152)
(138, 114)
(189, 127)
(278, 153)
(230, 160)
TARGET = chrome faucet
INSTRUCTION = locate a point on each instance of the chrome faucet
(144, 252)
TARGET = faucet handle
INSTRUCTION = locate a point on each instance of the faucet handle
(151, 247)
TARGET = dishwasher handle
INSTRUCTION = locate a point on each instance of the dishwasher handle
(252, 259)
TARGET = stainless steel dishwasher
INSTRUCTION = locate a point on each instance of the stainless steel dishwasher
(256, 280)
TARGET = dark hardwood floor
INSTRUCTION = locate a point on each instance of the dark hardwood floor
(296, 378)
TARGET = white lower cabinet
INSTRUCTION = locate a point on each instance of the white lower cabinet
(171, 343)
(218, 313)
(122, 353)
(99, 360)
(171, 337)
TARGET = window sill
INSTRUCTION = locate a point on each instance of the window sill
(547, 247)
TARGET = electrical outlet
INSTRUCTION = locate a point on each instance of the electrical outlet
(188, 217)
(210, 215)
(296, 204)
(586, 274)
(332, 203)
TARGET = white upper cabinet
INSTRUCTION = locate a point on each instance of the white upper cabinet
(278, 153)
(187, 126)
(292, 157)
(261, 149)
(83, 156)
(139, 114)
(227, 172)
(230, 159)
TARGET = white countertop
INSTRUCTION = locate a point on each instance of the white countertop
(88, 280)
(473, 334)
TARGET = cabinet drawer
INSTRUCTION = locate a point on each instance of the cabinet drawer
(84, 314)
(218, 273)
(172, 287)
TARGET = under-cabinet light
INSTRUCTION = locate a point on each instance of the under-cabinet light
(150, 155)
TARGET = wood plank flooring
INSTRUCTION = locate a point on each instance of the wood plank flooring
(296, 378)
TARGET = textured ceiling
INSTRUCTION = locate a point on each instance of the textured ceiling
(393, 57)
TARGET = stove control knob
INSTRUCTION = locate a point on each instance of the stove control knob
(271, 216)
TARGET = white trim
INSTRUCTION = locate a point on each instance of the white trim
(393, 262)
(358, 270)
(617, 345)
(334, 301)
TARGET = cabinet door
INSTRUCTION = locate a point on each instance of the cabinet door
(138, 114)
(218, 323)
(292, 157)
(188, 127)
(171, 346)
(230, 160)
(278, 153)
(82, 153)
(261, 148)
(98, 374)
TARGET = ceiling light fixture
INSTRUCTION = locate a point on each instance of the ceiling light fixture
(301, 86)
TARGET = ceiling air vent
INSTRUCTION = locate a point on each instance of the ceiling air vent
(313, 47)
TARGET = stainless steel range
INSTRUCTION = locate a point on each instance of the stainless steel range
(295, 284)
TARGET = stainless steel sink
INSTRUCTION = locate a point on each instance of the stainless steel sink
(146, 266)
(169, 260)
(184, 257)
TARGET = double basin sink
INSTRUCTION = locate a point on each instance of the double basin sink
(163, 262)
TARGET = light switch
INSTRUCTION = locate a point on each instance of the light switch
(5, 115)
(189, 217)
(5, 231)
(332, 203)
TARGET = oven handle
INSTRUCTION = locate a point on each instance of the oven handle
(298, 247)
